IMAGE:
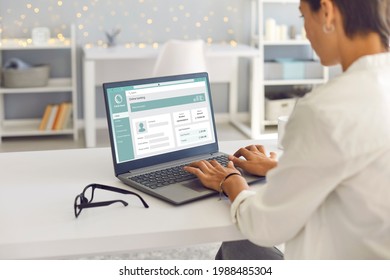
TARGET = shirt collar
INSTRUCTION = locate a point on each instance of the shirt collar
(369, 61)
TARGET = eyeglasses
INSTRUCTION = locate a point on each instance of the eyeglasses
(84, 200)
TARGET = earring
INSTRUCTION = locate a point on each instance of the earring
(327, 29)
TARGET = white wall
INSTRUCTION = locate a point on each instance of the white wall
(140, 21)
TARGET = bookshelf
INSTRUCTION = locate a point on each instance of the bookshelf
(271, 48)
(65, 86)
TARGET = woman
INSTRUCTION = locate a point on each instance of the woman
(328, 197)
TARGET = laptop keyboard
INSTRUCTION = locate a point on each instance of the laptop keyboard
(170, 175)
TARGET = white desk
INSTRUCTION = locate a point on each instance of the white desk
(36, 209)
(123, 63)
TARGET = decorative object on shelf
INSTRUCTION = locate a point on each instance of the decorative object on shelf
(40, 36)
(16, 63)
(19, 74)
(111, 36)
(293, 32)
(270, 29)
(275, 32)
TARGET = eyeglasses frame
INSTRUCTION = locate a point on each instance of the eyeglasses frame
(85, 203)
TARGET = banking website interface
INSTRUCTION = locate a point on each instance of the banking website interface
(160, 118)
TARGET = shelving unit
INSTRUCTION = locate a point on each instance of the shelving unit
(57, 85)
(259, 40)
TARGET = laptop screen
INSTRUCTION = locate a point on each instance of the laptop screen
(150, 118)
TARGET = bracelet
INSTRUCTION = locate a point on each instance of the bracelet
(221, 191)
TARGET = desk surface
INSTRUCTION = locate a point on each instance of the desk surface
(36, 209)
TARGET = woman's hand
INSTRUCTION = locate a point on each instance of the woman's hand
(211, 173)
(255, 160)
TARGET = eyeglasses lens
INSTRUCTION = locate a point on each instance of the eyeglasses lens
(88, 195)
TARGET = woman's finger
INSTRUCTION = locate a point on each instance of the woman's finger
(194, 170)
(215, 163)
(202, 165)
(260, 148)
(242, 152)
(231, 165)
(251, 148)
(273, 155)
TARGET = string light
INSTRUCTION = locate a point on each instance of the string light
(92, 19)
(233, 43)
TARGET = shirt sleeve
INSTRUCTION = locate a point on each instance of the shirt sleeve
(310, 168)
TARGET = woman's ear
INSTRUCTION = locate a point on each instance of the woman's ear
(328, 13)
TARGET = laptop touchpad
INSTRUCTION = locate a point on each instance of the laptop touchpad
(195, 185)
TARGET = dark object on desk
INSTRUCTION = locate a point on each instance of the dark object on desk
(178, 128)
(84, 199)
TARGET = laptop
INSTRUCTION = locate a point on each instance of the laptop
(158, 125)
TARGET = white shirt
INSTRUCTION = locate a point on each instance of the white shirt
(329, 196)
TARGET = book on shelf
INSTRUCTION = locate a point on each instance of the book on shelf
(45, 118)
(67, 116)
(56, 116)
(52, 117)
(59, 120)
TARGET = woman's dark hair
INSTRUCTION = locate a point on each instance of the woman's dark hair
(362, 16)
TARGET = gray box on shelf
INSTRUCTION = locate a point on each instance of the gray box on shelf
(292, 69)
(37, 76)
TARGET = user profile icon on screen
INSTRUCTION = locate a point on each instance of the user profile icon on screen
(141, 127)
